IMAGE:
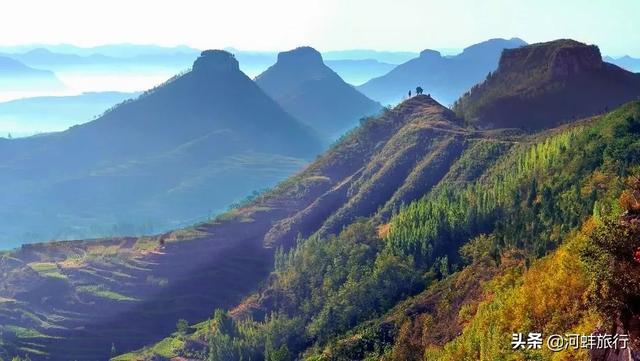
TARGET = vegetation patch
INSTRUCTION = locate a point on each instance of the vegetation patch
(100, 291)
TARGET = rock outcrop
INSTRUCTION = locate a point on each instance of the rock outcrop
(543, 85)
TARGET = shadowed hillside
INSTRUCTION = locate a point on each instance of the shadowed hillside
(542, 85)
(520, 232)
(387, 161)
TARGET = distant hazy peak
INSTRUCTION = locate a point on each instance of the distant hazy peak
(485, 47)
(429, 53)
(304, 54)
(216, 60)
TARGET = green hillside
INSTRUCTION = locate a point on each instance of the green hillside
(475, 259)
(503, 201)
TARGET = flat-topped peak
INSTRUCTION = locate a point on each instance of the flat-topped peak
(543, 85)
(216, 60)
(303, 54)
(560, 57)
(429, 53)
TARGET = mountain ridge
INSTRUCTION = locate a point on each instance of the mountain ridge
(17, 76)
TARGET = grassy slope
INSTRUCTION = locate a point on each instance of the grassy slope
(471, 314)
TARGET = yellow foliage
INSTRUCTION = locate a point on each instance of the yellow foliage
(630, 200)
(547, 298)
(383, 230)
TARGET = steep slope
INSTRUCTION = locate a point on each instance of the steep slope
(455, 274)
(445, 78)
(545, 84)
(528, 192)
(174, 154)
(315, 94)
(14, 75)
(389, 160)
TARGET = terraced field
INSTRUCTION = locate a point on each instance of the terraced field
(91, 296)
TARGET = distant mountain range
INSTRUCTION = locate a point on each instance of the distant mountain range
(110, 50)
(15, 75)
(390, 57)
(29, 116)
(196, 144)
(543, 85)
(45, 58)
(445, 78)
(625, 62)
(309, 90)
(64, 58)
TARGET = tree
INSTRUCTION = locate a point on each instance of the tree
(182, 326)
(419, 90)
(280, 354)
(223, 322)
(610, 257)
(221, 347)
(113, 350)
(221, 339)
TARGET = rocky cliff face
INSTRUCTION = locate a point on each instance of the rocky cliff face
(558, 59)
(543, 85)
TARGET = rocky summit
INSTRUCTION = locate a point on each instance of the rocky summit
(547, 84)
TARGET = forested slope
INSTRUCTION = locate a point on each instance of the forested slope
(454, 274)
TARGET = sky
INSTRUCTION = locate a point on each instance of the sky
(325, 24)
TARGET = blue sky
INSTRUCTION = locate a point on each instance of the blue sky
(325, 24)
